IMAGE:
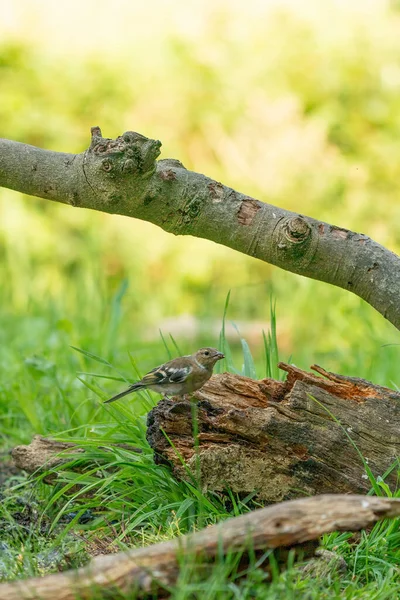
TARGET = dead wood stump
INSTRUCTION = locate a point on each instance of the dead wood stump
(307, 435)
(282, 439)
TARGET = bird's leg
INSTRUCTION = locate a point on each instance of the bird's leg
(183, 397)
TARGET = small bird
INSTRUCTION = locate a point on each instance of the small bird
(179, 376)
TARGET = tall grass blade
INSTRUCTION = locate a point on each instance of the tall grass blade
(111, 336)
(271, 351)
(248, 369)
(165, 345)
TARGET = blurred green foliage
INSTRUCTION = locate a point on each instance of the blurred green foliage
(299, 108)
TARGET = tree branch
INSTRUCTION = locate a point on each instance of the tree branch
(122, 176)
(148, 570)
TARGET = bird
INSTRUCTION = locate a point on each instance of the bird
(177, 377)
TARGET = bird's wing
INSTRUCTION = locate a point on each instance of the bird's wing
(178, 375)
(166, 374)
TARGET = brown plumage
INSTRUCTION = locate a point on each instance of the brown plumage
(179, 376)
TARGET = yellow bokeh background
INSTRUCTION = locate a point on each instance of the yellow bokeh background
(296, 103)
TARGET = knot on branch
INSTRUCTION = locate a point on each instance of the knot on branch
(297, 230)
(294, 240)
(191, 209)
(129, 154)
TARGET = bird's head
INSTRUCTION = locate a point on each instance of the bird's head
(208, 356)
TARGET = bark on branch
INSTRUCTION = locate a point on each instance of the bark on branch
(122, 176)
(150, 569)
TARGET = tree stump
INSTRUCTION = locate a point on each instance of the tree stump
(307, 435)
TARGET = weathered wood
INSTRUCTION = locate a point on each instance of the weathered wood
(44, 454)
(281, 438)
(148, 569)
(122, 176)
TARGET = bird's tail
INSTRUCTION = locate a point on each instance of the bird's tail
(132, 388)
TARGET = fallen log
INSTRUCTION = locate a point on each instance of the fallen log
(311, 434)
(43, 455)
(151, 569)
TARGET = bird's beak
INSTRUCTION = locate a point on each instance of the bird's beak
(219, 355)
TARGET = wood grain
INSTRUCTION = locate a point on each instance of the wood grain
(148, 570)
(281, 439)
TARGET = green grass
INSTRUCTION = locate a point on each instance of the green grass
(57, 370)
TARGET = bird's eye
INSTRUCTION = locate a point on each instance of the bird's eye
(206, 353)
